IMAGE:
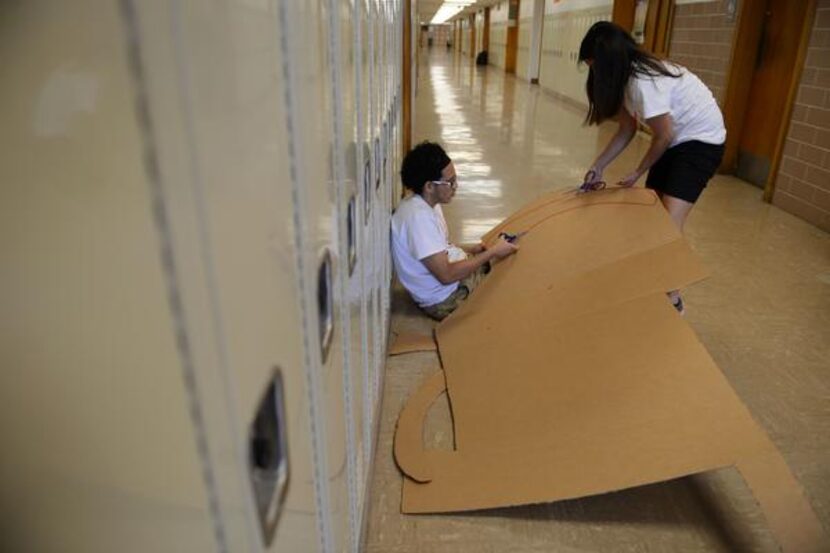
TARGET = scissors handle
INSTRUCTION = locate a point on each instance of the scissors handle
(591, 185)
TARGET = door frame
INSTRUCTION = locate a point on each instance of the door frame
(739, 79)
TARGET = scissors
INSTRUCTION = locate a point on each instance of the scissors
(511, 237)
(590, 185)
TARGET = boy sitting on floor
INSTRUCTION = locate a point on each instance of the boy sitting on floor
(437, 274)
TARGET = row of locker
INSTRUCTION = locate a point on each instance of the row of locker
(196, 271)
(560, 27)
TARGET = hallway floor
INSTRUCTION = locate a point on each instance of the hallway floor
(763, 314)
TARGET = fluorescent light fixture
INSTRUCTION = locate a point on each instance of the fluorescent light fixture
(449, 9)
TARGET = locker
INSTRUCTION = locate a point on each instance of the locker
(346, 113)
(215, 344)
(182, 397)
(563, 31)
(383, 231)
(376, 264)
(366, 130)
(221, 109)
(525, 32)
(317, 232)
(98, 442)
(383, 244)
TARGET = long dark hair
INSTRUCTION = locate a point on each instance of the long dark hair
(614, 58)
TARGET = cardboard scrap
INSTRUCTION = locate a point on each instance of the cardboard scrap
(570, 374)
(410, 343)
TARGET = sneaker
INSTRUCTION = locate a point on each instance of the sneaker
(678, 304)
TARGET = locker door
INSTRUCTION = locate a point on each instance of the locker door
(375, 265)
(317, 234)
(361, 339)
(217, 94)
(390, 65)
(364, 152)
(346, 111)
(99, 452)
(381, 196)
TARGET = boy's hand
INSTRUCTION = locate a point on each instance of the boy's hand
(475, 248)
(502, 248)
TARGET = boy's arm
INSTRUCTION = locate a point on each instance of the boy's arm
(447, 273)
(473, 249)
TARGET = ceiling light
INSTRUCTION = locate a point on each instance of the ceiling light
(449, 9)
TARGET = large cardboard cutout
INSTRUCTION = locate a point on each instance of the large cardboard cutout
(569, 374)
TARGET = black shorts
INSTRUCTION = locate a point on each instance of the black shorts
(683, 170)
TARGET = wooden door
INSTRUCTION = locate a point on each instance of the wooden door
(512, 47)
(473, 36)
(485, 43)
(781, 26)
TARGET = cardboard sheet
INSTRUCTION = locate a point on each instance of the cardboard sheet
(411, 343)
(570, 374)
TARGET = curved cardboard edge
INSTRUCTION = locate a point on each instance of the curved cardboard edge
(788, 513)
(555, 201)
(410, 455)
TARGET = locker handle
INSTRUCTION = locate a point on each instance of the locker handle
(325, 305)
(351, 233)
(268, 456)
(377, 163)
(387, 137)
(367, 183)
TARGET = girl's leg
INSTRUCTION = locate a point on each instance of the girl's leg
(678, 209)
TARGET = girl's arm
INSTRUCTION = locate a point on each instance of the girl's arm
(662, 130)
(625, 132)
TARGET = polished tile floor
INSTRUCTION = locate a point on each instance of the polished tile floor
(764, 315)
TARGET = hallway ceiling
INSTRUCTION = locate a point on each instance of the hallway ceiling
(427, 8)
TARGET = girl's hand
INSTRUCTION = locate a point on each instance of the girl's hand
(592, 181)
(593, 175)
(630, 180)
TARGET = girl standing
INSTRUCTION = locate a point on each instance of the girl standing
(687, 127)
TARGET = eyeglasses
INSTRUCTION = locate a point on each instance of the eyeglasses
(452, 183)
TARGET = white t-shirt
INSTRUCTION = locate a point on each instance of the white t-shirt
(419, 231)
(694, 111)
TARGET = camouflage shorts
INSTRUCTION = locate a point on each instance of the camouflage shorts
(439, 311)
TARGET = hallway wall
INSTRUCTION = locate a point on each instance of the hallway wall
(525, 31)
(466, 36)
(803, 183)
(701, 39)
(565, 25)
(479, 20)
(498, 34)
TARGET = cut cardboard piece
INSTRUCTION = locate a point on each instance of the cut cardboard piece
(570, 374)
(410, 343)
